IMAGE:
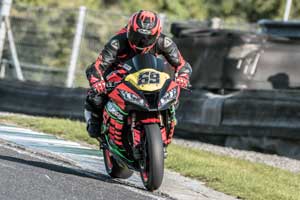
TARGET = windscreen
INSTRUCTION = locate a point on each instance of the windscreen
(143, 61)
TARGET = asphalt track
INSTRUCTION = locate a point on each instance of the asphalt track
(40, 166)
(26, 177)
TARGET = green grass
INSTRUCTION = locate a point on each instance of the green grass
(68, 129)
(229, 175)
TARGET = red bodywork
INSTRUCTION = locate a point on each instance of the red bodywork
(115, 127)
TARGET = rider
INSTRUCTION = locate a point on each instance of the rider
(141, 35)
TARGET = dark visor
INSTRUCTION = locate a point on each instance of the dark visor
(141, 40)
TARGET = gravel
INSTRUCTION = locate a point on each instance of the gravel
(281, 162)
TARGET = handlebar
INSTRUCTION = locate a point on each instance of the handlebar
(111, 85)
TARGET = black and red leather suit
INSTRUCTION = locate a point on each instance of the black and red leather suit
(118, 50)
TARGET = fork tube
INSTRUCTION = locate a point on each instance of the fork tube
(160, 119)
(132, 126)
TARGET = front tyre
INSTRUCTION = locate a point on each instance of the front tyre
(152, 165)
(112, 167)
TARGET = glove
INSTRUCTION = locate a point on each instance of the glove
(183, 80)
(99, 86)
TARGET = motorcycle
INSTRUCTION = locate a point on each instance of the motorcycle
(143, 102)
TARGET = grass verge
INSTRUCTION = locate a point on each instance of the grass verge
(232, 176)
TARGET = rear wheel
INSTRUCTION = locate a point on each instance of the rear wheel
(113, 168)
(152, 165)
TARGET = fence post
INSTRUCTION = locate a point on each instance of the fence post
(5, 9)
(216, 23)
(2, 70)
(76, 47)
(13, 50)
(6, 28)
(287, 10)
(2, 37)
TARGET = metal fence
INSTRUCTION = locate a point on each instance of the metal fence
(44, 39)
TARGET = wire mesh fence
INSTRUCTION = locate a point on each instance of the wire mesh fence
(99, 27)
(44, 40)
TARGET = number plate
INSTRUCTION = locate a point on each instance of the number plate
(148, 78)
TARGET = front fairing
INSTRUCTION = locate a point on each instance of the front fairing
(145, 85)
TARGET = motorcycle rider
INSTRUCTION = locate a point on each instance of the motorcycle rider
(141, 35)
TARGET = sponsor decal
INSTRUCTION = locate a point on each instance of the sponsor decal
(111, 108)
(127, 67)
(115, 44)
(167, 42)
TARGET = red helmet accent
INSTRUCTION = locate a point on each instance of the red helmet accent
(143, 30)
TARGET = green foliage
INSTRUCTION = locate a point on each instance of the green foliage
(240, 10)
(61, 3)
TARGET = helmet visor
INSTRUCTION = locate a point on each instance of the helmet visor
(141, 40)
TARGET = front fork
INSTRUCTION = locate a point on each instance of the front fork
(138, 131)
(167, 127)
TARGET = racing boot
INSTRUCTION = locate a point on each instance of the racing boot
(165, 151)
(93, 124)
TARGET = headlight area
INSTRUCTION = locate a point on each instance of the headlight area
(168, 97)
(132, 98)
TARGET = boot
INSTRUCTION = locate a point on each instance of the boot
(93, 124)
(165, 151)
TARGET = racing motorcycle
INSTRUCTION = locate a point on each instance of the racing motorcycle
(143, 105)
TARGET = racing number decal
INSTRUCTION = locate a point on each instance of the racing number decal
(148, 78)
(154, 77)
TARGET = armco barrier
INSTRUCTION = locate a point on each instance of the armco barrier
(33, 98)
(270, 119)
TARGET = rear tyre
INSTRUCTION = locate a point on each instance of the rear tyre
(113, 168)
(152, 165)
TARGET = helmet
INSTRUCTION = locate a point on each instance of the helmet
(143, 29)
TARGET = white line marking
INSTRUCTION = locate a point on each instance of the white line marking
(42, 140)
(18, 130)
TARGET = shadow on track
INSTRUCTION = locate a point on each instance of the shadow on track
(59, 169)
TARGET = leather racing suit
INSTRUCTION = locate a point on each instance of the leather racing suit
(116, 52)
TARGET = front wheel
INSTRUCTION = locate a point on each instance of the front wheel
(152, 164)
(113, 168)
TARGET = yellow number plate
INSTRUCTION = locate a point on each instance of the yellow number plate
(148, 79)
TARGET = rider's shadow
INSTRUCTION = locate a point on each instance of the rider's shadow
(71, 171)
(58, 168)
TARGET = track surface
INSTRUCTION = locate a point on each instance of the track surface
(40, 166)
(26, 177)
